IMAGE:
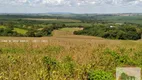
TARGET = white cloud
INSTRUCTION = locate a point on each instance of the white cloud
(69, 2)
(70, 5)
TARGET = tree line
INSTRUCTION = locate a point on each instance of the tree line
(123, 32)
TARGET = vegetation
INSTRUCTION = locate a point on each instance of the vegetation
(94, 25)
(100, 75)
(63, 55)
(124, 32)
(8, 32)
(21, 31)
(66, 58)
(2, 27)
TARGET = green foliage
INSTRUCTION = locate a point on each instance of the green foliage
(8, 32)
(47, 31)
(100, 75)
(38, 34)
(68, 66)
(124, 32)
(49, 62)
(119, 58)
(110, 52)
(50, 65)
(2, 26)
(21, 31)
(30, 34)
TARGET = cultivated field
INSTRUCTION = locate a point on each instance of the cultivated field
(66, 57)
(53, 20)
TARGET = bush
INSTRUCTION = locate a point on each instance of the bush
(30, 34)
(9, 32)
(49, 62)
(68, 66)
(50, 65)
(100, 75)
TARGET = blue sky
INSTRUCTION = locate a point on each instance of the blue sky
(74, 6)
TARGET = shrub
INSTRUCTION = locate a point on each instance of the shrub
(30, 34)
(68, 66)
(100, 75)
(50, 65)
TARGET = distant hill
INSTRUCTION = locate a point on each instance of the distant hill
(60, 13)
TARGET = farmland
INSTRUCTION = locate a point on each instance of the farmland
(53, 20)
(26, 61)
(46, 48)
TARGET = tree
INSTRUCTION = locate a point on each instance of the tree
(140, 31)
(30, 34)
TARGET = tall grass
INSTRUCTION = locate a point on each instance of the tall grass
(67, 58)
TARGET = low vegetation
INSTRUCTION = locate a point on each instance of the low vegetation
(66, 58)
(21, 31)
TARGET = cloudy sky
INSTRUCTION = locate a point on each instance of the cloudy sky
(74, 6)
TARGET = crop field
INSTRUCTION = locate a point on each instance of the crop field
(65, 32)
(68, 47)
(53, 20)
(21, 31)
(66, 57)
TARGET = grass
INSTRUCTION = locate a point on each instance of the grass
(67, 58)
(21, 31)
(2, 26)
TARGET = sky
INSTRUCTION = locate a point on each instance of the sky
(73, 6)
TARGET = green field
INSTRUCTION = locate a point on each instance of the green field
(2, 26)
(53, 20)
(21, 31)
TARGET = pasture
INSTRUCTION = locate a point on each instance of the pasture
(21, 31)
